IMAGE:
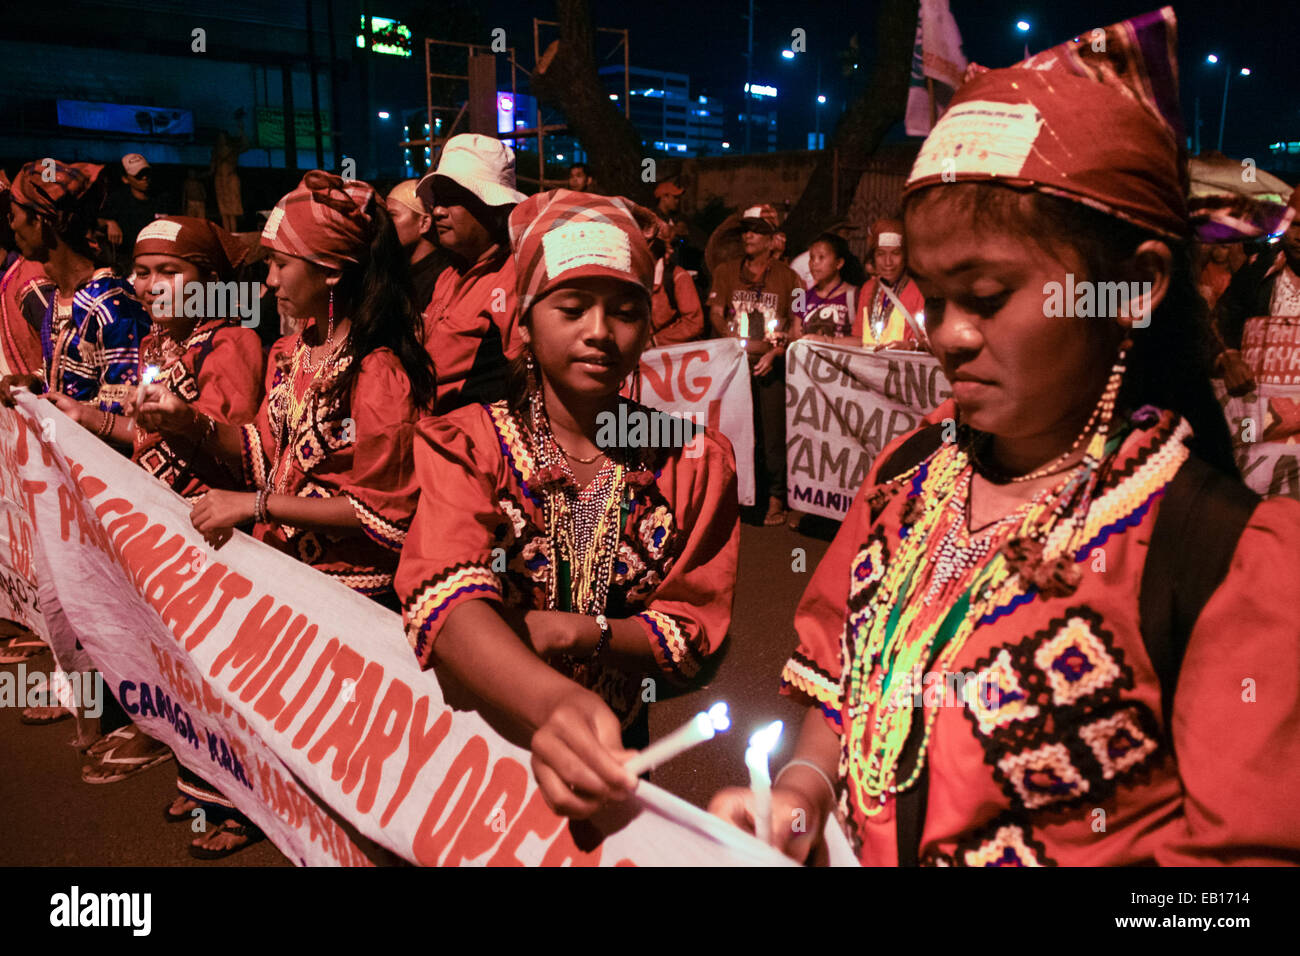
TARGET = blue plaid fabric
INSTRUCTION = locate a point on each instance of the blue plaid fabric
(93, 356)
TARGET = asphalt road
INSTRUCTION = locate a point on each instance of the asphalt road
(48, 817)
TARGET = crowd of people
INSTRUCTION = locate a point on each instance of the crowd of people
(471, 337)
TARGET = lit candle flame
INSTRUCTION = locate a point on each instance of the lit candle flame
(150, 374)
(719, 717)
(763, 742)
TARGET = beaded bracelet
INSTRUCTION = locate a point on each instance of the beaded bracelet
(811, 766)
(259, 506)
(106, 423)
(605, 632)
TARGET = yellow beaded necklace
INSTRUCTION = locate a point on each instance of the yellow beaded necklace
(898, 634)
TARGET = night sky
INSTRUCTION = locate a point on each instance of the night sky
(706, 39)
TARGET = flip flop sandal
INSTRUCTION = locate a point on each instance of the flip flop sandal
(49, 713)
(100, 745)
(33, 721)
(21, 649)
(171, 817)
(248, 831)
(119, 768)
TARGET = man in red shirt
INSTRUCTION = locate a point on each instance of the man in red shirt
(751, 298)
(470, 326)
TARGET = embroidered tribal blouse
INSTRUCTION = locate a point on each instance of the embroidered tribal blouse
(25, 294)
(303, 443)
(219, 373)
(92, 353)
(1072, 732)
(675, 571)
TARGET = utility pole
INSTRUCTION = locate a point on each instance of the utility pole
(749, 74)
(1223, 114)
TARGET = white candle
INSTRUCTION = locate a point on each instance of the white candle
(147, 377)
(761, 744)
(703, 726)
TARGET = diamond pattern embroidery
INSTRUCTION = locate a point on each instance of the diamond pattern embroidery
(1043, 776)
(1076, 663)
(999, 699)
(1119, 742)
(1008, 847)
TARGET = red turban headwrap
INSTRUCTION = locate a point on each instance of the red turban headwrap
(327, 220)
(204, 243)
(48, 187)
(564, 234)
(1094, 120)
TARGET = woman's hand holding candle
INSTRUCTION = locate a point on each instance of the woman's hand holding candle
(159, 410)
(703, 726)
(578, 756)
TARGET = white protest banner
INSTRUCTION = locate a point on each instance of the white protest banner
(1265, 427)
(19, 569)
(298, 698)
(707, 382)
(842, 406)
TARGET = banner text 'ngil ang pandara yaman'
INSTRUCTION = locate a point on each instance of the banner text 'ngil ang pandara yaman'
(843, 405)
(708, 384)
(297, 698)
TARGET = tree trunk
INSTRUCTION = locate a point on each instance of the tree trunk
(566, 79)
(882, 104)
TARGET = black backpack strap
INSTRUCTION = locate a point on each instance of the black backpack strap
(1197, 528)
(916, 448)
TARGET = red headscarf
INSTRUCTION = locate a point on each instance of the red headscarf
(1094, 120)
(327, 220)
(566, 235)
(204, 243)
(48, 187)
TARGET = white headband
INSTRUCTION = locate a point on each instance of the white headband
(889, 240)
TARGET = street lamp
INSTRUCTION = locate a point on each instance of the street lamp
(787, 54)
(1022, 26)
(1213, 59)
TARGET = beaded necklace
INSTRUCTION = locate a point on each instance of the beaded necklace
(929, 601)
(583, 525)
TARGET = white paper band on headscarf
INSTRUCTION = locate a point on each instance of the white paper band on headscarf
(980, 136)
(889, 240)
(577, 244)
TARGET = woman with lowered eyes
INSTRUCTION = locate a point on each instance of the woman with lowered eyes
(1049, 606)
(554, 569)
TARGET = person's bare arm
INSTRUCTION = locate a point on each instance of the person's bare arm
(576, 740)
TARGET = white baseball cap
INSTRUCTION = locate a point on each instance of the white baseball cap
(482, 164)
(133, 163)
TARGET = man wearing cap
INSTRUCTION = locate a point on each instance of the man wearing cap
(892, 306)
(470, 325)
(752, 298)
(127, 211)
(414, 225)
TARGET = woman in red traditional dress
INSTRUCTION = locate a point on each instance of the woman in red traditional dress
(1068, 634)
(555, 569)
(217, 365)
(329, 453)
